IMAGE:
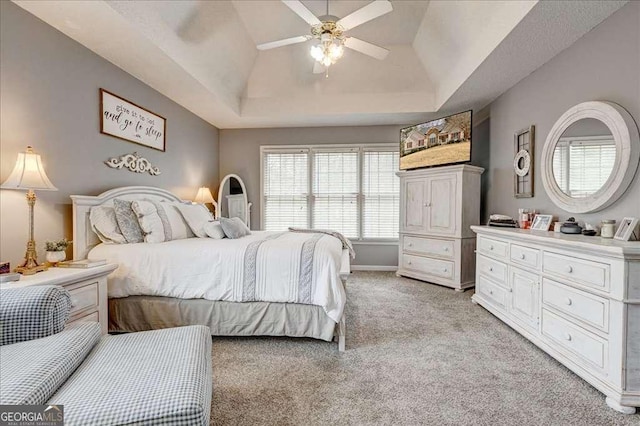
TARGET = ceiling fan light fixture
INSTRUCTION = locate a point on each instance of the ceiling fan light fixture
(317, 52)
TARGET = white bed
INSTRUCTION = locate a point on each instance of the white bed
(219, 276)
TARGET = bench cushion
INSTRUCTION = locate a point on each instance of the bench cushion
(151, 377)
(32, 371)
(28, 313)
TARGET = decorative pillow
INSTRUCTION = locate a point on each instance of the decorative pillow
(179, 227)
(127, 221)
(214, 230)
(153, 221)
(234, 227)
(104, 224)
(197, 216)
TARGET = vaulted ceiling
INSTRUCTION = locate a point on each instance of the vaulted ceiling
(444, 55)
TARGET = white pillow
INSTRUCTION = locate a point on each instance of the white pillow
(179, 227)
(214, 230)
(104, 224)
(151, 222)
(197, 216)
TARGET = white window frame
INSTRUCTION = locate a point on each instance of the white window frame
(310, 150)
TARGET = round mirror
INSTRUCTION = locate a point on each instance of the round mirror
(232, 198)
(583, 158)
(590, 157)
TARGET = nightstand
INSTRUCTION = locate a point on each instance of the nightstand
(88, 289)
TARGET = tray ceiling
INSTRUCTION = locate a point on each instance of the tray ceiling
(444, 55)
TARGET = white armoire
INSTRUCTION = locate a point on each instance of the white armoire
(437, 208)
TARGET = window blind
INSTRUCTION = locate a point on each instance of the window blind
(381, 193)
(285, 185)
(335, 191)
(352, 189)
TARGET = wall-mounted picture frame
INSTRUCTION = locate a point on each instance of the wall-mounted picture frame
(542, 222)
(523, 162)
(627, 228)
(125, 120)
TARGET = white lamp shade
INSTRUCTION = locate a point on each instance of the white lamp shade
(204, 195)
(29, 174)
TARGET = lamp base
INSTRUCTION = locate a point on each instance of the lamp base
(30, 265)
(30, 271)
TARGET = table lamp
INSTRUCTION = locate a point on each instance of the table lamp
(204, 196)
(29, 174)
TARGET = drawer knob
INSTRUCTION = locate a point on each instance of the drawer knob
(568, 337)
(490, 268)
(490, 291)
(490, 247)
(445, 270)
(568, 301)
(522, 256)
(410, 244)
(510, 290)
(427, 204)
(569, 269)
(409, 262)
(446, 249)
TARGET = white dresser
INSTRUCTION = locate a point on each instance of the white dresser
(575, 297)
(437, 206)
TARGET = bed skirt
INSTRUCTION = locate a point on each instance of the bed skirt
(140, 313)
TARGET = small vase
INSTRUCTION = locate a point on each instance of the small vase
(54, 257)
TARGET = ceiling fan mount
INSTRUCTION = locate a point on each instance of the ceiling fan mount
(330, 31)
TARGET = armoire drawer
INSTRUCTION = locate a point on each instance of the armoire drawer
(591, 309)
(496, 294)
(493, 269)
(525, 256)
(429, 246)
(581, 271)
(577, 340)
(429, 266)
(492, 247)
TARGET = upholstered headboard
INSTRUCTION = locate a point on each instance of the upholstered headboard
(84, 239)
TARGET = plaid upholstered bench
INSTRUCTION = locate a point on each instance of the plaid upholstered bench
(154, 377)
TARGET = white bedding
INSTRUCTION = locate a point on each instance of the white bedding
(264, 266)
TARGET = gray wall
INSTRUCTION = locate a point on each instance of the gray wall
(49, 85)
(240, 154)
(602, 65)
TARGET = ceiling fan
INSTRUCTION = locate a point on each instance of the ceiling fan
(330, 31)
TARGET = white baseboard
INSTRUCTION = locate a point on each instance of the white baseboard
(379, 268)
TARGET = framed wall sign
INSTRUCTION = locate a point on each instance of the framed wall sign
(130, 122)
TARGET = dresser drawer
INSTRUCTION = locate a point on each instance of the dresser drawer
(493, 269)
(525, 256)
(580, 342)
(84, 297)
(429, 266)
(591, 309)
(585, 272)
(496, 294)
(492, 247)
(429, 246)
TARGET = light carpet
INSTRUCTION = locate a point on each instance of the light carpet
(416, 354)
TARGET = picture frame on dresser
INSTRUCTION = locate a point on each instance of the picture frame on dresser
(542, 222)
(627, 229)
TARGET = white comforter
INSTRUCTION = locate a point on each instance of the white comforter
(264, 266)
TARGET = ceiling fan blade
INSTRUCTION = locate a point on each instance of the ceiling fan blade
(318, 68)
(302, 11)
(366, 48)
(284, 42)
(371, 11)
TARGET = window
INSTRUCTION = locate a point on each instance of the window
(351, 189)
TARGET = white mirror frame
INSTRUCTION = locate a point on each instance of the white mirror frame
(247, 219)
(627, 140)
